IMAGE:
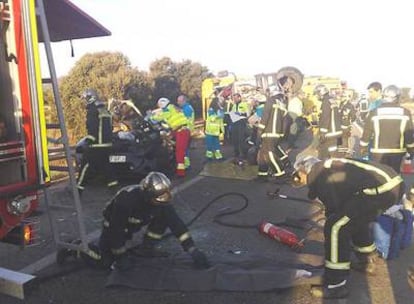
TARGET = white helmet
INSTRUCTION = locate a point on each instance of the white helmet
(391, 93)
(163, 102)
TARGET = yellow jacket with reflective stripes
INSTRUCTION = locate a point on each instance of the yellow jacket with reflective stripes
(172, 116)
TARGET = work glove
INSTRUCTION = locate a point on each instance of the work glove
(199, 258)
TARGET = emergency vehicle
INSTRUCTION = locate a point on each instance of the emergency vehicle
(24, 149)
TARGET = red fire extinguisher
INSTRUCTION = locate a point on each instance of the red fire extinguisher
(280, 234)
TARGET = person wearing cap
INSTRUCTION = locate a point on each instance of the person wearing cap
(353, 193)
(179, 124)
(147, 204)
(388, 131)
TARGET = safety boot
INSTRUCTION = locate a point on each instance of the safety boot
(327, 292)
(218, 155)
(187, 163)
(63, 254)
(365, 262)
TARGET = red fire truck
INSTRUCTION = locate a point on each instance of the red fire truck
(24, 157)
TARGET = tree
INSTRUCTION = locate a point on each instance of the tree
(163, 74)
(109, 73)
(171, 79)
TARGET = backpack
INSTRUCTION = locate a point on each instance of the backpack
(393, 233)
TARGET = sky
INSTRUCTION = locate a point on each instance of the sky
(359, 41)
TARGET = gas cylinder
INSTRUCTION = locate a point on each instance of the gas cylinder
(280, 234)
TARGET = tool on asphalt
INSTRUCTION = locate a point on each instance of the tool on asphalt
(281, 234)
(276, 195)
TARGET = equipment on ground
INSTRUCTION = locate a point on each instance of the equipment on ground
(281, 234)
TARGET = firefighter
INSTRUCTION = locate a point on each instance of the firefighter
(389, 130)
(348, 116)
(353, 193)
(133, 207)
(271, 158)
(99, 128)
(179, 125)
(329, 123)
(188, 110)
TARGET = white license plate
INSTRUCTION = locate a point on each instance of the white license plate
(117, 158)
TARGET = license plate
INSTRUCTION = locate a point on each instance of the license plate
(117, 158)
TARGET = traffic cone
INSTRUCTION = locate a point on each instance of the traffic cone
(407, 166)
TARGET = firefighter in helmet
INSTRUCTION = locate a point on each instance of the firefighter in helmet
(330, 131)
(272, 159)
(389, 129)
(132, 208)
(99, 138)
(353, 192)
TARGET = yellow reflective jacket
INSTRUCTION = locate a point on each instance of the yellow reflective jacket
(172, 116)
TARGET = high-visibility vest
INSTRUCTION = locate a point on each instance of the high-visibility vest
(214, 125)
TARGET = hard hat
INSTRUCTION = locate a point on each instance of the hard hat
(90, 96)
(293, 73)
(159, 187)
(163, 102)
(391, 93)
(320, 90)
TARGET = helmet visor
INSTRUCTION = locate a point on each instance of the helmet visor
(164, 198)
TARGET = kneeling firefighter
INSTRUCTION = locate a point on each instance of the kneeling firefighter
(133, 207)
(353, 192)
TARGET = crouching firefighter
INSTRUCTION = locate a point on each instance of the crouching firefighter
(133, 207)
(353, 192)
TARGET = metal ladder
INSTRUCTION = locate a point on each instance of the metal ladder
(61, 152)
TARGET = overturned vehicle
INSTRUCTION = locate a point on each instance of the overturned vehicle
(139, 144)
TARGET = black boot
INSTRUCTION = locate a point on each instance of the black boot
(365, 262)
(63, 254)
(330, 292)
